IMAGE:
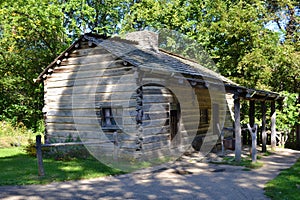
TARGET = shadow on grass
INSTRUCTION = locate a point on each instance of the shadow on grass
(21, 169)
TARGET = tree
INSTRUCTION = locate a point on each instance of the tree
(31, 36)
(235, 34)
(285, 16)
(238, 35)
(102, 17)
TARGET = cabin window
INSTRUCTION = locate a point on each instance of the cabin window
(111, 118)
(203, 116)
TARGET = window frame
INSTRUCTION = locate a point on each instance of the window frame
(115, 122)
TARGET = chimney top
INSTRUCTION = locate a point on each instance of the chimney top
(145, 39)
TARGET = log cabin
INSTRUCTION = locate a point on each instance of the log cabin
(137, 100)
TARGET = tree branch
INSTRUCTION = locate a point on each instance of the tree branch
(278, 24)
(37, 31)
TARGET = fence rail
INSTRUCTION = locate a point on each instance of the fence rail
(39, 146)
(72, 144)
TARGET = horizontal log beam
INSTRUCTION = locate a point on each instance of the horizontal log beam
(74, 144)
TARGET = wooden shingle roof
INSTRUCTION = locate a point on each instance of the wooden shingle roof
(158, 60)
(161, 60)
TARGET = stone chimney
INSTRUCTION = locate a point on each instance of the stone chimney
(145, 39)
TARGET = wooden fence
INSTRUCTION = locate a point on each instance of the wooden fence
(39, 146)
(288, 140)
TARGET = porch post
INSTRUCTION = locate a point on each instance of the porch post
(216, 119)
(252, 113)
(237, 126)
(216, 125)
(273, 125)
(263, 127)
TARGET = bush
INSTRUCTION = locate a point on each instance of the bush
(30, 149)
(66, 153)
(14, 135)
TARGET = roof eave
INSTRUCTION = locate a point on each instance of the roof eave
(253, 94)
(58, 60)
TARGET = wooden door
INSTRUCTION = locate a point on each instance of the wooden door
(173, 123)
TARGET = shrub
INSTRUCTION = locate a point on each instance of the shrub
(14, 135)
(66, 153)
(30, 149)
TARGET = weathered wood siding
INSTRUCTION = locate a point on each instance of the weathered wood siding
(92, 78)
(206, 132)
(77, 89)
(156, 120)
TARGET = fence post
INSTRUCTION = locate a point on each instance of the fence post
(39, 155)
(273, 126)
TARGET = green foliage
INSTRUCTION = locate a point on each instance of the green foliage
(63, 153)
(30, 148)
(245, 162)
(14, 135)
(286, 185)
(102, 17)
(288, 116)
(31, 35)
(67, 153)
(235, 34)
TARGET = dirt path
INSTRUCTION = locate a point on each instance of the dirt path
(181, 180)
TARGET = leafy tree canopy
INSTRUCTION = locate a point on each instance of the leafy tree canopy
(255, 43)
(235, 34)
(31, 36)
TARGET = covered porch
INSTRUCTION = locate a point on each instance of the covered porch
(259, 134)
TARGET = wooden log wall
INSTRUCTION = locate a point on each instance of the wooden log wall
(156, 119)
(225, 115)
(91, 79)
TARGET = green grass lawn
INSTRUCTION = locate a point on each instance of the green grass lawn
(286, 185)
(245, 162)
(17, 168)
